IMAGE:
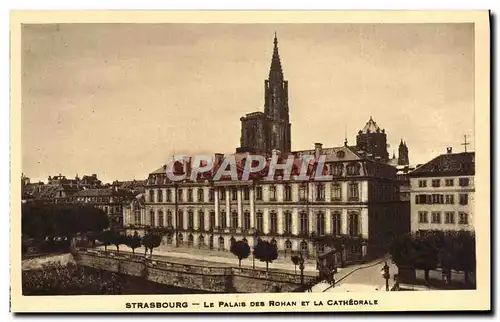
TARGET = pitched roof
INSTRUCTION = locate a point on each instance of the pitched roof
(449, 164)
(102, 192)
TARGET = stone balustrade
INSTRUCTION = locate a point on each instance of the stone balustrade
(193, 276)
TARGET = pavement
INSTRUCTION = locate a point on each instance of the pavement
(222, 257)
(359, 278)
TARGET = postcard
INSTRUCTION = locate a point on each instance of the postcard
(250, 161)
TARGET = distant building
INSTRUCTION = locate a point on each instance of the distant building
(110, 200)
(442, 193)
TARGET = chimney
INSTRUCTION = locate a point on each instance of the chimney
(317, 150)
(448, 149)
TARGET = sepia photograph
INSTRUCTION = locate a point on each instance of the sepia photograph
(183, 160)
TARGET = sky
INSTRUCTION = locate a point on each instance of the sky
(119, 100)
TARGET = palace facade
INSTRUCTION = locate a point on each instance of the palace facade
(361, 201)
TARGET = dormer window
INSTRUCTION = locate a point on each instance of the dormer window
(353, 169)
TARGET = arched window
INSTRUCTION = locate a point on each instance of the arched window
(137, 215)
(234, 220)
(336, 192)
(201, 241)
(337, 170)
(274, 242)
(246, 220)
(245, 240)
(180, 219)
(320, 192)
(288, 193)
(190, 219)
(169, 218)
(200, 195)
(221, 243)
(181, 238)
(160, 219)
(320, 224)
(222, 219)
(212, 220)
(353, 169)
(304, 223)
(190, 240)
(304, 248)
(288, 222)
(272, 193)
(260, 222)
(288, 245)
(273, 222)
(232, 240)
(169, 239)
(303, 191)
(353, 224)
(336, 224)
(152, 218)
(201, 220)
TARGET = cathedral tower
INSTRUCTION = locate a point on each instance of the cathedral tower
(271, 129)
(403, 158)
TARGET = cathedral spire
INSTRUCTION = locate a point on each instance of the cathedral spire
(276, 73)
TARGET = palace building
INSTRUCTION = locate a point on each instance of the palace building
(360, 203)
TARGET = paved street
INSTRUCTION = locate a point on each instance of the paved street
(358, 278)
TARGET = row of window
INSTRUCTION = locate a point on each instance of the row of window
(336, 170)
(448, 199)
(335, 195)
(336, 226)
(221, 243)
(449, 217)
(462, 182)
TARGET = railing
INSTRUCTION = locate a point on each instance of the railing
(200, 269)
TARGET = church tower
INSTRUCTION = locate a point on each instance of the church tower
(272, 129)
(403, 158)
(373, 141)
(276, 105)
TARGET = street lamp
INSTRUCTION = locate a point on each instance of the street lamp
(386, 275)
(301, 267)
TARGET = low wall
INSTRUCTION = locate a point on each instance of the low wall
(38, 262)
(192, 276)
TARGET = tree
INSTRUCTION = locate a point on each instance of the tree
(134, 241)
(117, 240)
(155, 242)
(295, 261)
(402, 251)
(146, 242)
(266, 252)
(426, 255)
(465, 253)
(150, 241)
(106, 237)
(240, 249)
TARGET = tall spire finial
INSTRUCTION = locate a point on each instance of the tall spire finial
(275, 62)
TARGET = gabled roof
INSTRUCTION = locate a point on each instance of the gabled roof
(449, 164)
